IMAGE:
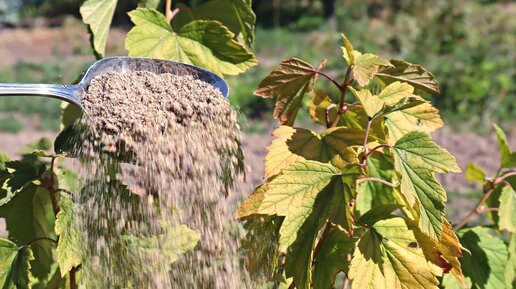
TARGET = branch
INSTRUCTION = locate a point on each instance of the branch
(327, 113)
(281, 267)
(342, 104)
(73, 281)
(324, 235)
(340, 87)
(479, 208)
(376, 148)
(363, 180)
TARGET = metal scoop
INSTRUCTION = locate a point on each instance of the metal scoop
(74, 93)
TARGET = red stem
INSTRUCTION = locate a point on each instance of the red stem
(41, 239)
(359, 181)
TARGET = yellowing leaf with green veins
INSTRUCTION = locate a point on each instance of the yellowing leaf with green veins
(292, 195)
(68, 247)
(444, 252)
(416, 157)
(475, 173)
(321, 103)
(251, 205)
(332, 258)
(387, 256)
(237, 15)
(294, 144)
(98, 15)
(288, 83)
(372, 104)
(485, 266)
(14, 265)
(348, 51)
(365, 67)
(507, 157)
(418, 149)
(207, 44)
(507, 211)
(413, 74)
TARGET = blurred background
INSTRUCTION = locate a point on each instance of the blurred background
(468, 44)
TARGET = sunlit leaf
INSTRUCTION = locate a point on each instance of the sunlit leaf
(332, 258)
(237, 15)
(372, 104)
(68, 248)
(98, 15)
(204, 43)
(321, 103)
(507, 157)
(413, 74)
(288, 83)
(14, 265)
(251, 205)
(416, 157)
(387, 256)
(347, 49)
(485, 266)
(510, 269)
(475, 173)
(293, 144)
(507, 212)
(366, 66)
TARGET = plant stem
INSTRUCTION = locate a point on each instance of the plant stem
(324, 235)
(41, 239)
(342, 103)
(169, 13)
(359, 181)
(280, 270)
(376, 148)
(340, 87)
(52, 189)
(479, 208)
(366, 138)
(73, 281)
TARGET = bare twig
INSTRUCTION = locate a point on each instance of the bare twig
(359, 181)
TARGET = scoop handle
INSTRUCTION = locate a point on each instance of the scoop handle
(63, 92)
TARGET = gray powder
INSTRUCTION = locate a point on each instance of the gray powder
(184, 143)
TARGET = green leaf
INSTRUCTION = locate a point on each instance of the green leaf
(98, 15)
(261, 247)
(373, 195)
(494, 200)
(422, 117)
(294, 144)
(149, 4)
(475, 173)
(207, 44)
(288, 83)
(507, 212)
(418, 149)
(29, 215)
(485, 267)
(416, 157)
(366, 66)
(332, 258)
(510, 269)
(14, 265)
(3, 159)
(347, 49)
(507, 158)
(68, 248)
(292, 195)
(413, 74)
(387, 256)
(372, 104)
(237, 15)
(19, 175)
